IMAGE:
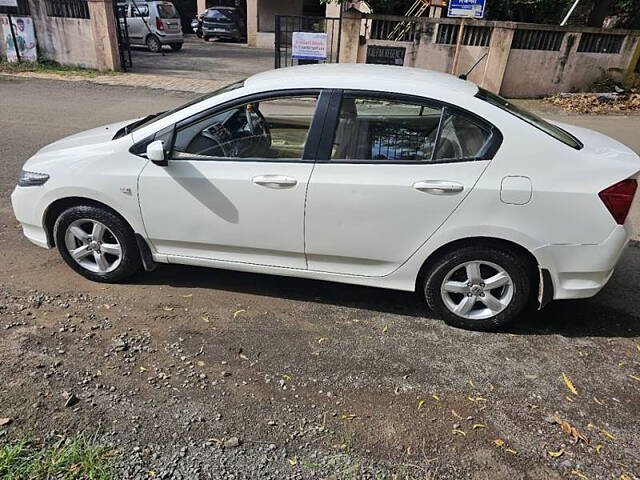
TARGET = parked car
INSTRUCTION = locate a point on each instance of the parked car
(412, 180)
(152, 23)
(223, 22)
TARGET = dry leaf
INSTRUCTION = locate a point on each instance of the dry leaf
(142, 369)
(638, 347)
(595, 399)
(243, 356)
(568, 399)
(151, 473)
(511, 451)
(200, 363)
(456, 431)
(397, 391)
(348, 416)
(570, 430)
(385, 328)
(599, 447)
(238, 312)
(579, 474)
(478, 425)
(637, 379)
(188, 295)
(205, 319)
(292, 461)
(559, 453)
(477, 399)
(625, 477)
(569, 384)
(455, 414)
(435, 397)
(322, 339)
(5, 421)
(168, 309)
(498, 442)
(421, 403)
(470, 382)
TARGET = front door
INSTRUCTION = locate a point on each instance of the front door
(234, 189)
(137, 22)
(397, 169)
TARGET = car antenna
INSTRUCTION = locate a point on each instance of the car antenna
(464, 76)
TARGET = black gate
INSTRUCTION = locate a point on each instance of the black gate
(122, 30)
(287, 24)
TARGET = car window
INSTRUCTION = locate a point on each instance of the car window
(371, 129)
(531, 118)
(167, 10)
(461, 137)
(123, 10)
(222, 16)
(274, 129)
(139, 10)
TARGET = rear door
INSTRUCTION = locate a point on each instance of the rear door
(137, 20)
(396, 168)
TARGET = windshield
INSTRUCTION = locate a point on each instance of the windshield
(222, 16)
(137, 125)
(167, 10)
(531, 118)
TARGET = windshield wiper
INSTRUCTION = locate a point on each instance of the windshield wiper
(127, 129)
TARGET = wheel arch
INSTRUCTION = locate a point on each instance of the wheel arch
(493, 242)
(54, 210)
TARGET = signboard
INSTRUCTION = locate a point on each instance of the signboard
(309, 46)
(466, 8)
(382, 55)
(21, 38)
(9, 3)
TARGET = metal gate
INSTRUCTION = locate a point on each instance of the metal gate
(122, 30)
(287, 24)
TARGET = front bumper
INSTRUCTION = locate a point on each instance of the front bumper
(25, 201)
(581, 271)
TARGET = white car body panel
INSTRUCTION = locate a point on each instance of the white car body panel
(364, 224)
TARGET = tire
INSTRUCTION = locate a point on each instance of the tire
(175, 46)
(153, 44)
(206, 38)
(470, 305)
(110, 257)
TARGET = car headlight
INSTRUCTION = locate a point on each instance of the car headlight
(32, 179)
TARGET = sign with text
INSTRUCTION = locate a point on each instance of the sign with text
(309, 46)
(466, 8)
(9, 3)
(383, 55)
(21, 41)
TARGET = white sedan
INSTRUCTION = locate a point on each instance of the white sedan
(372, 175)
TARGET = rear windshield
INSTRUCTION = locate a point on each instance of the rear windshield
(531, 118)
(222, 16)
(167, 10)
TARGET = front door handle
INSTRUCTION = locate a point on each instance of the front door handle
(275, 181)
(439, 187)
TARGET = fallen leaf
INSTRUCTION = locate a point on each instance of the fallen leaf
(621, 364)
(292, 461)
(599, 447)
(243, 356)
(568, 399)
(625, 477)
(397, 391)
(595, 399)
(348, 416)
(151, 473)
(579, 474)
(5, 421)
(205, 319)
(385, 328)
(638, 347)
(478, 425)
(609, 435)
(188, 295)
(637, 379)
(238, 312)
(569, 384)
(511, 451)
(200, 363)
(570, 430)
(455, 414)
(470, 382)
(168, 309)
(421, 403)
(498, 442)
(142, 369)
(435, 397)
(477, 399)
(322, 339)
(456, 431)
(559, 453)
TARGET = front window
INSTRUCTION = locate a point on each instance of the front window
(531, 118)
(380, 130)
(274, 129)
(167, 10)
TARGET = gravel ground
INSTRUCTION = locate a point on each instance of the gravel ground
(198, 373)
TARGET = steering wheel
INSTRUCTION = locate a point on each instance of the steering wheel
(259, 128)
(216, 133)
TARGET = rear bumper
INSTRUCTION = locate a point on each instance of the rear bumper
(581, 271)
(167, 38)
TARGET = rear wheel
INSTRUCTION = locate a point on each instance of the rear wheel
(97, 244)
(479, 288)
(206, 38)
(175, 46)
(153, 43)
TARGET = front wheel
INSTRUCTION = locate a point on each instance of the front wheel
(97, 244)
(153, 43)
(478, 288)
(175, 46)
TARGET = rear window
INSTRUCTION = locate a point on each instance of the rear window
(167, 10)
(222, 16)
(531, 118)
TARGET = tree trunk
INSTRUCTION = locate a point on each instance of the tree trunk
(599, 12)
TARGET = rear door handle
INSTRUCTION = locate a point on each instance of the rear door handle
(439, 187)
(275, 181)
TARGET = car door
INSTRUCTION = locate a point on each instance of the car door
(234, 188)
(397, 167)
(138, 16)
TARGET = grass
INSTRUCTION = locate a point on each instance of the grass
(48, 66)
(75, 458)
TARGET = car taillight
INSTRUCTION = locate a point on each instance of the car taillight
(159, 24)
(618, 197)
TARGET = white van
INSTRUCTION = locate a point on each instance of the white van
(152, 23)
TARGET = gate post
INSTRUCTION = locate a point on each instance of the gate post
(105, 38)
(350, 36)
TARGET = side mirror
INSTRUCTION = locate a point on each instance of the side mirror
(155, 153)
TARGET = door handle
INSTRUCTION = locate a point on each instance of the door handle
(275, 181)
(439, 187)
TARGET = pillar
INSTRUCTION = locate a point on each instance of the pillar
(350, 37)
(252, 22)
(496, 62)
(104, 34)
(201, 6)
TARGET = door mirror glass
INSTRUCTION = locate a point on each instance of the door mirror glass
(155, 153)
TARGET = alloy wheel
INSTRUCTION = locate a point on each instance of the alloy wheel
(93, 246)
(477, 290)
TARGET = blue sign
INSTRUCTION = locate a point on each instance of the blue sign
(466, 8)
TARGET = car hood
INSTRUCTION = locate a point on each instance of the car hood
(87, 137)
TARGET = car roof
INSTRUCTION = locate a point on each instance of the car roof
(222, 8)
(389, 78)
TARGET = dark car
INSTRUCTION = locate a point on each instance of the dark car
(223, 22)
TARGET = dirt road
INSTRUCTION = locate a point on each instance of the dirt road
(196, 373)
